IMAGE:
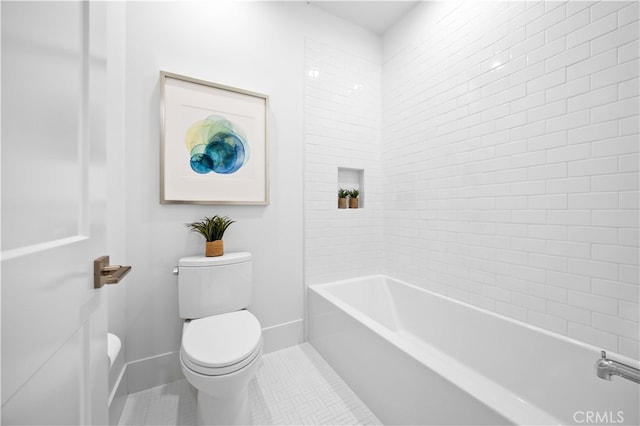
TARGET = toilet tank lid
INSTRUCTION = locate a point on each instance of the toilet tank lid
(226, 259)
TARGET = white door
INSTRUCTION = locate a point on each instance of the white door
(54, 362)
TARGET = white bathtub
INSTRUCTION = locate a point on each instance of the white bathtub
(416, 357)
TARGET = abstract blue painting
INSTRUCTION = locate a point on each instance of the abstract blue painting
(216, 145)
(213, 142)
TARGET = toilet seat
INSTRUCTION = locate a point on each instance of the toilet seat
(220, 371)
(221, 344)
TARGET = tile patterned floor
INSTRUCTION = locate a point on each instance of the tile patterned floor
(294, 386)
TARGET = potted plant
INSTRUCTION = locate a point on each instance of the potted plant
(342, 198)
(212, 229)
(353, 198)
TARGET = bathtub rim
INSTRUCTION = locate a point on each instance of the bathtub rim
(321, 290)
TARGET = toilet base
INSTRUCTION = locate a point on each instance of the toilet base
(223, 399)
(223, 411)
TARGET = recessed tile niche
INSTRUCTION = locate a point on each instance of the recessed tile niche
(349, 178)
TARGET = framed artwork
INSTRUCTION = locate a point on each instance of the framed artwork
(213, 142)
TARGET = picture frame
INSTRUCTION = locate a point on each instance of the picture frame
(213, 143)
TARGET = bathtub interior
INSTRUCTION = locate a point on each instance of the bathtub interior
(486, 349)
(370, 298)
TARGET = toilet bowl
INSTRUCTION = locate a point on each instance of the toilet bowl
(219, 356)
(221, 340)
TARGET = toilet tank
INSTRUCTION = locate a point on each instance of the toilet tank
(214, 285)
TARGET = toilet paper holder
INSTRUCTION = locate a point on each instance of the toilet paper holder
(104, 273)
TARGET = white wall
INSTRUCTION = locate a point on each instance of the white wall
(254, 46)
(511, 161)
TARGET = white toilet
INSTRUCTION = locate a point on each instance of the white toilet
(221, 341)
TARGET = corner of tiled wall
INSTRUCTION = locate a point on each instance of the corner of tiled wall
(342, 130)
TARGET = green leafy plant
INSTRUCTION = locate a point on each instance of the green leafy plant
(354, 193)
(343, 193)
(211, 228)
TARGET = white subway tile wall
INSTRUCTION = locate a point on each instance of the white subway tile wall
(342, 130)
(510, 163)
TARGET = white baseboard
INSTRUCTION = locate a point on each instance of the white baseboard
(283, 335)
(153, 371)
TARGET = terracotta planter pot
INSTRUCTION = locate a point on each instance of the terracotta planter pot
(214, 248)
(342, 203)
(353, 203)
